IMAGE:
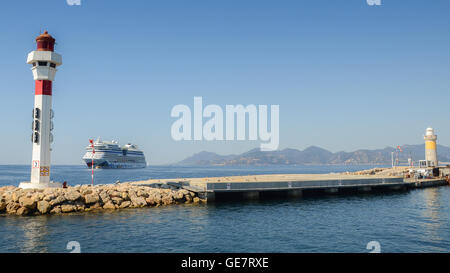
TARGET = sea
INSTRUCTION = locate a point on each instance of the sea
(407, 221)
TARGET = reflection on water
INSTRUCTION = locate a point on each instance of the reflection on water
(431, 213)
(35, 232)
(432, 204)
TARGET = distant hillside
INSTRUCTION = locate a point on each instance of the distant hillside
(205, 158)
(313, 155)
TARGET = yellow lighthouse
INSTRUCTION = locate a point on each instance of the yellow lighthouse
(430, 148)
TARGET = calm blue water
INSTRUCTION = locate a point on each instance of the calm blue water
(80, 174)
(414, 221)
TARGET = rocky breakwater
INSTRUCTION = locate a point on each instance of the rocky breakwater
(17, 201)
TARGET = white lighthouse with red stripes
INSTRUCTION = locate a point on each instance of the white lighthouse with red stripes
(44, 62)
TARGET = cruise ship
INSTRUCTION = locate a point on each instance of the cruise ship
(108, 154)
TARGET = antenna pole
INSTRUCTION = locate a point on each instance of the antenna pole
(92, 162)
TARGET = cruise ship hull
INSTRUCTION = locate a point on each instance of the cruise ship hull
(105, 164)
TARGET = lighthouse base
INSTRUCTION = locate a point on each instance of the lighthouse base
(29, 185)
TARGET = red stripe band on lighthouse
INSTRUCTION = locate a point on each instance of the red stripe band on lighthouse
(43, 87)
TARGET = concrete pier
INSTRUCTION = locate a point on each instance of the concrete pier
(251, 195)
(365, 189)
(331, 190)
(211, 196)
(295, 193)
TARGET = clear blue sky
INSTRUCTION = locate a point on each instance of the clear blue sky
(346, 75)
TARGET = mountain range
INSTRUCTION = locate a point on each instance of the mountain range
(314, 156)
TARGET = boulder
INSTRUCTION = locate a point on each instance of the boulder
(156, 196)
(58, 200)
(132, 196)
(167, 200)
(188, 198)
(139, 202)
(150, 201)
(183, 191)
(12, 207)
(85, 191)
(196, 200)
(113, 193)
(95, 206)
(49, 197)
(56, 210)
(80, 206)
(179, 195)
(68, 208)
(3, 205)
(104, 197)
(72, 195)
(124, 196)
(22, 211)
(39, 196)
(117, 200)
(7, 196)
(15, 196)
(109, 205)
(28, 202)
(125, 204)
(141, 193)
(43, 207)
(91, 198)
